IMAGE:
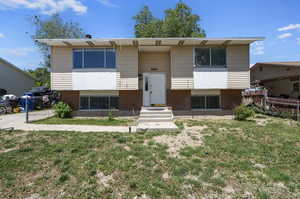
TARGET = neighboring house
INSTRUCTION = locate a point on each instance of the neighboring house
(280, 78)
(125, 74)
(14, 80)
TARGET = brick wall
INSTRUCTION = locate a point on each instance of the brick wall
(231, 98)
(71, 98)
(130, 99)
(179, 99)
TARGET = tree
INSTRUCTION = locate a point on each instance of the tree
(41, 76)
(178, 22)
(146, 25)
(53, 28)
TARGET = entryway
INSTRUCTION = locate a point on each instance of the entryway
(154, 89)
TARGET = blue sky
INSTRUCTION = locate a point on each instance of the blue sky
(277, 20)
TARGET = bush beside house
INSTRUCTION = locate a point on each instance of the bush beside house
(243, 112)
(63, 110)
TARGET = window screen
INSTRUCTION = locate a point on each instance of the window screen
(210, 57)
(84, 102)
(198, 102)
(110, 58)
(218, 56)
(99, 102)
(205, 102)
(77, 59)
(202, 56)
(93, 59)
(114, 102)
(212, 102)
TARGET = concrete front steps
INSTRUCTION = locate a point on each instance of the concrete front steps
(156, 119)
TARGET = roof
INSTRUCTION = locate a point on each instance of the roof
(290, 63)
(182, 41)
(15, 67)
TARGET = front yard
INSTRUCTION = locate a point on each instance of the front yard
(209, 158)
(87, 121)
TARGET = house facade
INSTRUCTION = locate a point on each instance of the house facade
(126, 74)
(14, 80)
(282, 79)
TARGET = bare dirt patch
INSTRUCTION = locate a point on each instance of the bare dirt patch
(8, 150)
(190, 136)
(34, 196)
(104, 179)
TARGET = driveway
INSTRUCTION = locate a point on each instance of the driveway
(13, 120)
(17, 121)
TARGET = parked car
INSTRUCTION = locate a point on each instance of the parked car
(2, 92)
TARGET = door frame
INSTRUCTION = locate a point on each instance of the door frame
(165, 87)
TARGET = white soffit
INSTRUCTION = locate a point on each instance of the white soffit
(149, 41)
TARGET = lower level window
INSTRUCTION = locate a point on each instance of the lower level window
(205, 102)
(99, 102)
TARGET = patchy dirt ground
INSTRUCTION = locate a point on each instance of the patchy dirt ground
(190, 136)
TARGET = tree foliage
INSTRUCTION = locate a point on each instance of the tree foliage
(53, 27)
(178, 22)
(41, 76)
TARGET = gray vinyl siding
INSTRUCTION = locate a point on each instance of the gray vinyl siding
(13, 80)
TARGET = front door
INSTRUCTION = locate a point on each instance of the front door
(154, 89)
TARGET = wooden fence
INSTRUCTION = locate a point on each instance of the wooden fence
(273, 104)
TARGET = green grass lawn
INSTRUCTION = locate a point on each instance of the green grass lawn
(86, 121)
(238, 159)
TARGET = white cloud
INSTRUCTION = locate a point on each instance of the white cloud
(107, 3)
(45, 6)
(289, 27)
(258, 48)
(20, 51)
(1, 35)
(284, 35)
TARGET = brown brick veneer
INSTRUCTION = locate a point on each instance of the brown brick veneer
(130, 99)
(179, 99)
(71, 98)
(231, 98)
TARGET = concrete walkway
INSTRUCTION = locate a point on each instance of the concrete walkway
(17, 121)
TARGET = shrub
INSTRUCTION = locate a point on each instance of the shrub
(243, 112)
(110, 116)
(62, 110)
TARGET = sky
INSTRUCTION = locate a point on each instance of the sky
(276, 20)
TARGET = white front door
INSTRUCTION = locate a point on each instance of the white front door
(154, 89)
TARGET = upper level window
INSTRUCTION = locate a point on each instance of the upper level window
(94, 58)
(210, 57)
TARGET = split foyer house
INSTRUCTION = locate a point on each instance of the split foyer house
(282, 79)
(128, 73)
